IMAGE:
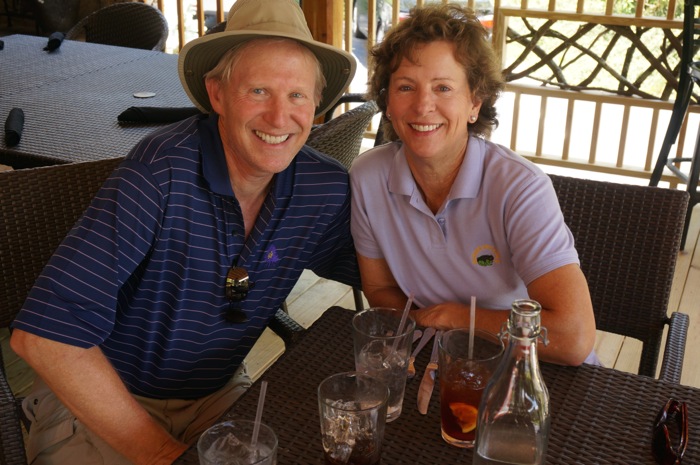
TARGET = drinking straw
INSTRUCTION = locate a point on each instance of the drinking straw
(402, 323)
(258, 415)
(472, 313)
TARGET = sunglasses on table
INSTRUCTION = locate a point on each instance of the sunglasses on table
(237, 286)
(671, 433)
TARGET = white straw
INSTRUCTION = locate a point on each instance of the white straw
(402, 323)
(258, 415)
(472, 313)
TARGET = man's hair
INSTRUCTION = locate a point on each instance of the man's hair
(439, 22)
(223, 69)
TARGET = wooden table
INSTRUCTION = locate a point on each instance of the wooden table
(71, 98)
(599, 415)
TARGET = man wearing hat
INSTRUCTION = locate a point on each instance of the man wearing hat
(139, 324)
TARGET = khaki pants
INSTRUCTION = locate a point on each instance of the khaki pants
(56, 437)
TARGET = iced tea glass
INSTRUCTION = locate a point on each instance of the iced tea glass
(462, 381)
(382, 352)
(352, 408)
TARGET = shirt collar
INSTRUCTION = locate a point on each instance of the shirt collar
(466, 185)
(214, 166)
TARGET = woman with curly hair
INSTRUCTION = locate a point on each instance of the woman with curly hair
(444, 214)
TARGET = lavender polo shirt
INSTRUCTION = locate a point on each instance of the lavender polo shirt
(500, 228)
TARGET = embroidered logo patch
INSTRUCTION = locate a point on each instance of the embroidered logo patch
(486, 255)
(271, 257)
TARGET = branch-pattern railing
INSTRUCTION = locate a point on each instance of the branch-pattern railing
(589, 84)
(624, 62)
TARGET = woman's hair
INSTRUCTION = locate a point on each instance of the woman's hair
(440, 22)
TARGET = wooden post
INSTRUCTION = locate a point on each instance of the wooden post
(325, 20)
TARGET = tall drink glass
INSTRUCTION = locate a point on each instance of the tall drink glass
(462, 381)
(382, 352)
(352, 408)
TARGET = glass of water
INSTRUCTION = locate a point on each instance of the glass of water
(382, 351)
(229, 443)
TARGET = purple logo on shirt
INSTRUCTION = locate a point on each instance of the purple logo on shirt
(271, 257)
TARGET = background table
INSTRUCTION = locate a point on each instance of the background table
(71, 98)
(599, 415)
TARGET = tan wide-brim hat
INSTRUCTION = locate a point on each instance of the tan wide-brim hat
(251, 19)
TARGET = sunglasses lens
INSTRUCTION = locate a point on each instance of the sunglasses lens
(661, 447)
(670, 434)
(235, 315)
(237, 284)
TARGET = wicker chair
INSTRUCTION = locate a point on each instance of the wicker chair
(219, 27)
(341, 138)
(38, 207)
(628, 240)
(130, 24)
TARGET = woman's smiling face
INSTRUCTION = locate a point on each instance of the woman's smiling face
(430, 102)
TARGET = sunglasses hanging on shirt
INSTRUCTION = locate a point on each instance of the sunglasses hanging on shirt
(237, 286)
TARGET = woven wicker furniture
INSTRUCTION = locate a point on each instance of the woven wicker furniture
(71, 98)
(341, 137)
(628, 240)
(37, 208)
(599, 415)
(219, 27)
(129, 24)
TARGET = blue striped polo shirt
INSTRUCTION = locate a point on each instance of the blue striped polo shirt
(142, 273)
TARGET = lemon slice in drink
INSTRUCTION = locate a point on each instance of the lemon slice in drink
(465, 415)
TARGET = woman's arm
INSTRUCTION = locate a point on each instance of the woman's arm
(567, 312)
(378, 283)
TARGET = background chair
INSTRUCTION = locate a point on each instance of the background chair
(628, 241)
(131, 24)
(219, 27)
(11, 440)
(37, 208)
(341, 138)
(689, 75)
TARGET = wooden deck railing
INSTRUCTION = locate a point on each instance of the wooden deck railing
(572, 129)
(613, 126)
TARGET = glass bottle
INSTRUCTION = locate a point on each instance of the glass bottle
(513, 418)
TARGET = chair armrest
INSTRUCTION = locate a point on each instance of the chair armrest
(672, 363)
(285, 327)
(11, 437)
(345, 98)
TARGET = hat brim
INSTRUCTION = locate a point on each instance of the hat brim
(201, 55)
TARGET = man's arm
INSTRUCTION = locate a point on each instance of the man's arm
(567, 312)
(85, 381)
